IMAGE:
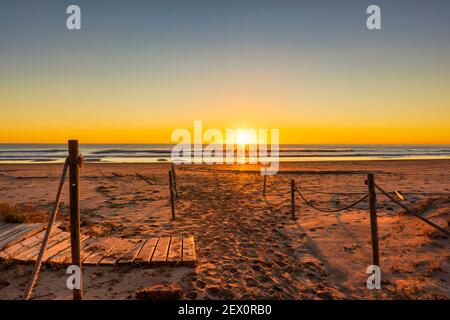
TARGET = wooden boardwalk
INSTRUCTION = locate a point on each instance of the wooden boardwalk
(22, 242)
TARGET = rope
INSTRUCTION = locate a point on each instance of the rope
(247, 185)
(275, 188)
(37, 266)
(329, 210)
(315, 207)
(321, 192)
(281, 179)
(332, 193)
(412, 211)
(144, 178)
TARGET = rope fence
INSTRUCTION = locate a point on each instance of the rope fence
(370, 195)
(74, 162)
(412, 211)
(351, 205)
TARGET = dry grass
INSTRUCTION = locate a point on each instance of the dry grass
(20, 213)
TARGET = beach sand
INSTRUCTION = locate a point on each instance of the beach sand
(248, 246)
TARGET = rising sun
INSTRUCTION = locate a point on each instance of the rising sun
(245, 136)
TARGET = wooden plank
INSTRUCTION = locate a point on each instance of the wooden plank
(18, 227)
(90, 247)
(13, 227)
(129, 256)
(60, 246)
(121, 246)
(10, 235)
(189, 255)
(21, 235)
(6, 225)
(23, 242)
(175, 251)
(26, 244)
(65, 255)
(98, 251)
(52, 242)
(57, 248)
(146, 253)
(31, 254)
(161, 250)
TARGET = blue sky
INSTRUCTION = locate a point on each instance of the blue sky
(285, 64)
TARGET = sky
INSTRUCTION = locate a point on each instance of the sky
(137, 70)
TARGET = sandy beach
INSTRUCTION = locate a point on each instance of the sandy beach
(248, 247)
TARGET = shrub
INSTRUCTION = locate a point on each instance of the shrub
(19, 214)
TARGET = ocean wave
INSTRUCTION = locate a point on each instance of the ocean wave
(168, 151)
(126, 153)
(131, 151)
(34, 151)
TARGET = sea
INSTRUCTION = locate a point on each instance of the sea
(148, 153)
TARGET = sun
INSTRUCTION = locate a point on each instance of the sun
(245, 136)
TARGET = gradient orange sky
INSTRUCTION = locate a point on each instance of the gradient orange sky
(133, 75)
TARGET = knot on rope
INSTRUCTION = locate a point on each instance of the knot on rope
(78, 162)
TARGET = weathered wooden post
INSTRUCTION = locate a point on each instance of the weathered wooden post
(264, 186)
(174, 180)
(373, 219)
(171, 195)
(292, 198)
(74, 163)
